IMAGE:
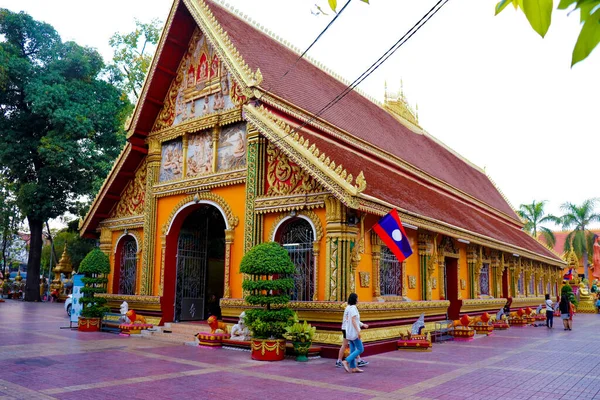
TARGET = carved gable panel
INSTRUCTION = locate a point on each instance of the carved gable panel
(285, 177)
(202, 86)
(132, 198)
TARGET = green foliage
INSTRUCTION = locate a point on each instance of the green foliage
(568, 291)
(333, 5)
(267, 258)
(539, 15)
(578, 219)
(96, 262)
(298, 332)
(266, 324)
(268, 265)
(61, 124)
(132, 56)
(77, 249)
(533, 214)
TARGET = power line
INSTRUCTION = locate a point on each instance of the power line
(418, 25)
(337, 15)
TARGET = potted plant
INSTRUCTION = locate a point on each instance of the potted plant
(94, 267)
(5, 289)
(268, 283)
(301, 336)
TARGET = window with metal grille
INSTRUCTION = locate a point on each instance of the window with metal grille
(484, 280)
(128, 267)
(390, 273)
(531, 285)
(521, 284)
(297, 237)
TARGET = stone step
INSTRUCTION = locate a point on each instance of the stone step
(184, 328)
(169, 337)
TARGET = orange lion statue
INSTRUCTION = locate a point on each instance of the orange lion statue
(216, 325)
(134, 318)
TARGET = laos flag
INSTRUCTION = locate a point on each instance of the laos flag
(390, 230)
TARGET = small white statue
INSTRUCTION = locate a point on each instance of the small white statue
(123, 310)
(240, 331)
(500, 315)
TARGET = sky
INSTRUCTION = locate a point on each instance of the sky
(487, 86)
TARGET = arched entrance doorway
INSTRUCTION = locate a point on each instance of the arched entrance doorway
(125, 271)
(200, 264)
(297, 236)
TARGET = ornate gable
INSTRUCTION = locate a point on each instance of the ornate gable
(202, 86)
(132, 197)
(285, 177)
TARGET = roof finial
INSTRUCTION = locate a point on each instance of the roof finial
(417, 112)
(385, 92)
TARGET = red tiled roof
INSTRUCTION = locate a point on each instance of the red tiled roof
(560, 237)
(422, 198)
(310, 88)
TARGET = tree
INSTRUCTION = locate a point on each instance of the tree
(580, 238)
(77, 248)
(534, 215)
(60, 124)
(539, 15)
(10, 220)
(132, 56)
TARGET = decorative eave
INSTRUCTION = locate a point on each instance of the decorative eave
(380, 207)
(333, 176)
(110, 178)
(368, 148)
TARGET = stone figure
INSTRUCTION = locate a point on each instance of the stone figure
(418, 326)
(240, 331)
(123, 310)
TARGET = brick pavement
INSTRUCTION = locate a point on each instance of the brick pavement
(38, 360)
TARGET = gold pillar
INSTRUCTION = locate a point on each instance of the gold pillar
(152, 176)
(340, 240)
(255, 184)
(316, 248)
(472, 260)
(375, 264)
(228, 244)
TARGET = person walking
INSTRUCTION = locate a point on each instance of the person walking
(353, 327)
(564, 308)
(359, 361)
(549, 312)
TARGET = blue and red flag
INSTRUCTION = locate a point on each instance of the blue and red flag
(569, 275)
(390, 230)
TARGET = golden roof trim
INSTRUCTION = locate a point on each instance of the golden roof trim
(310, 153)
(109, 179)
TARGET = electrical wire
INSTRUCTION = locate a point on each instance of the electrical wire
(418, 25)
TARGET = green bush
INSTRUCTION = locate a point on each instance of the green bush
(568, 290)
(300, 332)
(268, 266)
(94, 266)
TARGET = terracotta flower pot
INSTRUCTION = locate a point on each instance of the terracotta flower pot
(301, 349)
(88, 324)
(268, 349)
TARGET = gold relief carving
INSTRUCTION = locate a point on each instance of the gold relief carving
(200, 183)
(130, 298)
(163, 250)
(448, 248)
(331, 176)
(232, 220)
(132, 198)
(264, 204)
(115, 224)
(376, 244)
(228, 242)
(412, 282)
(201, 123)
(434, 282)
(285, 177)
(365, 279)
(463, 284)
(314, 218)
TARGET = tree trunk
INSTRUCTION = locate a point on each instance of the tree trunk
(32, 286)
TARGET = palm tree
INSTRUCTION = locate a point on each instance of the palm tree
(534, 215)
(579, 218)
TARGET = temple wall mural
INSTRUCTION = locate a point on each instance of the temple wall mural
(232, 147)
(199, 154)
(171, 163)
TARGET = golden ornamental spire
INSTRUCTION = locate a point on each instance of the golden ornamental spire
(396, 105)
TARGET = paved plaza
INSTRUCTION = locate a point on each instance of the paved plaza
(38, 360)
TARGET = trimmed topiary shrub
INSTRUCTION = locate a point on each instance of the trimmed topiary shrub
(94, 266)
(568, 290)
(269, 268)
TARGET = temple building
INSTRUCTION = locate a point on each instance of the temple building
(224, 152)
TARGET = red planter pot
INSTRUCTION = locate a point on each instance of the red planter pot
(88, 324)
(268, 350)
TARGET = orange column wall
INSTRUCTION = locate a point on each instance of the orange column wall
(464, 270)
